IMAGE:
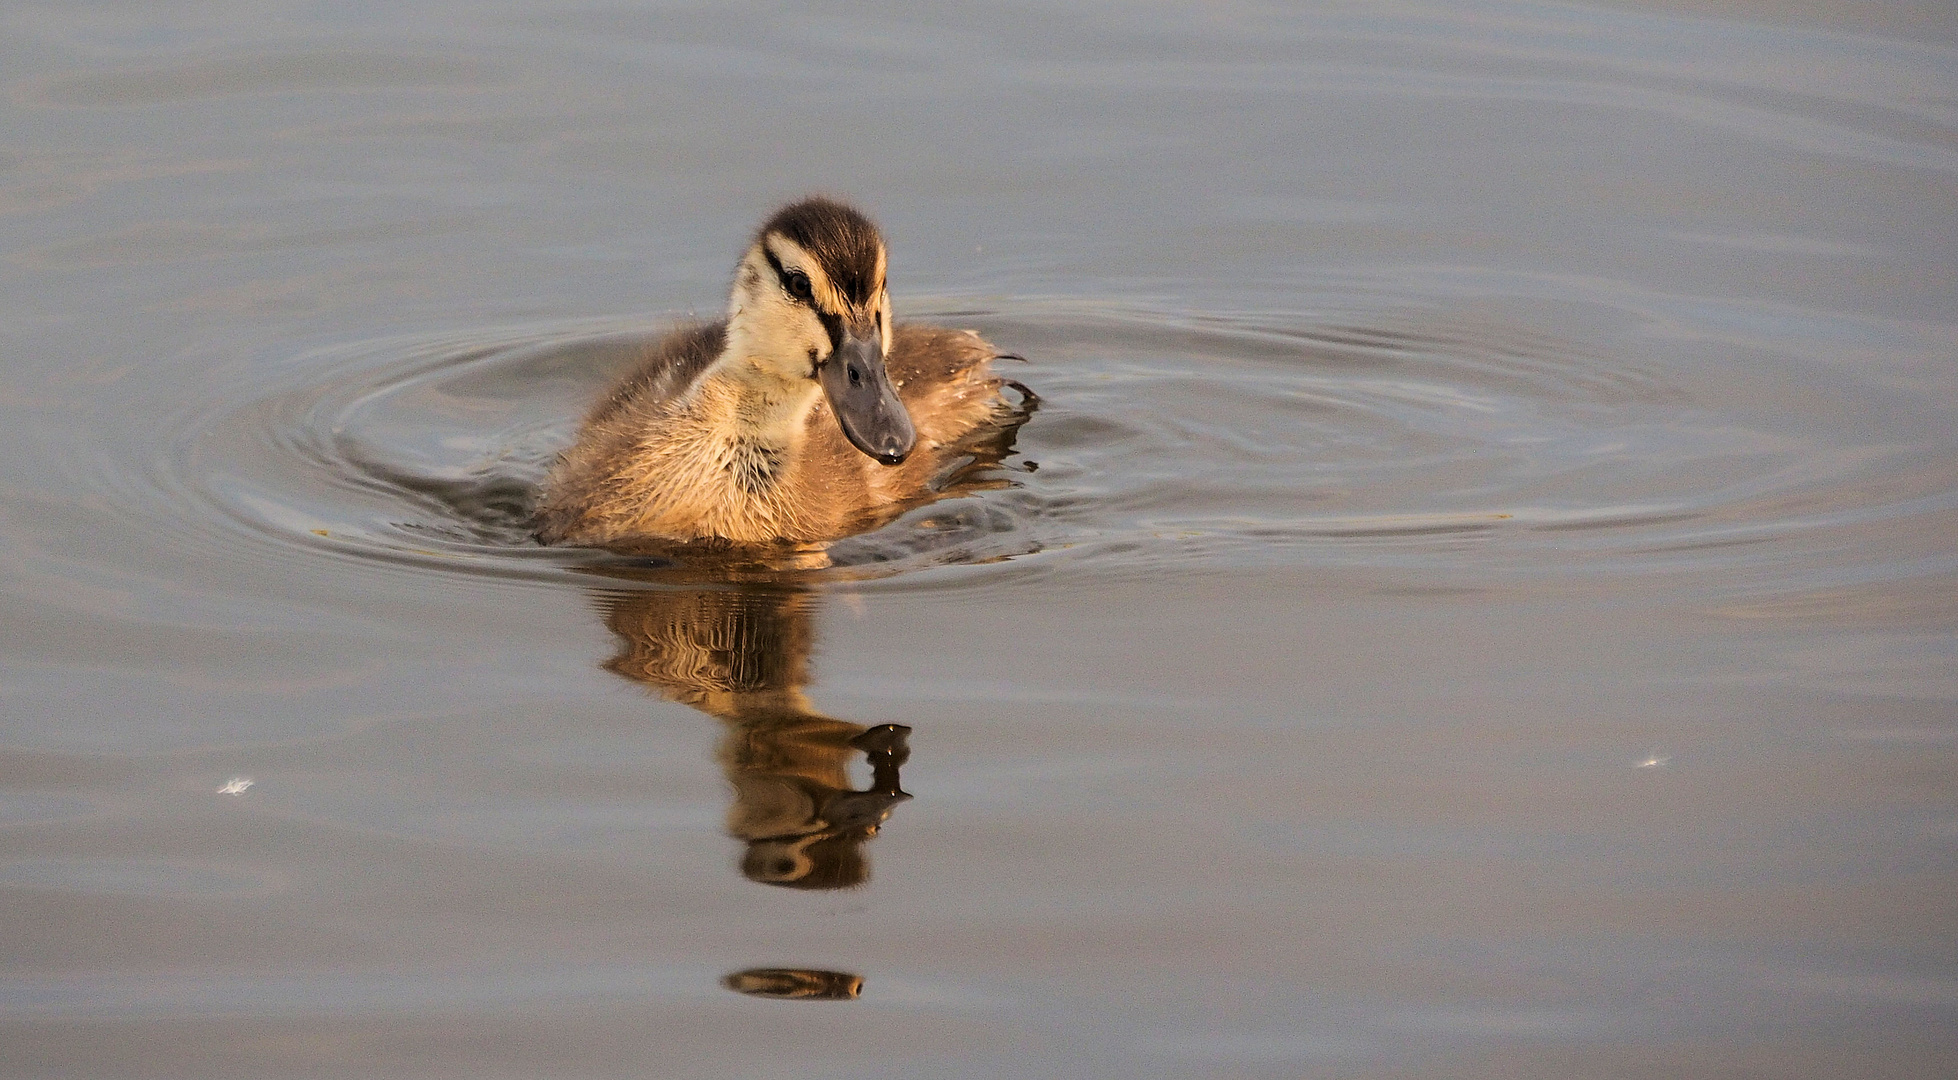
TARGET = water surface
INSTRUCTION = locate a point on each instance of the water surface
(1476, 597)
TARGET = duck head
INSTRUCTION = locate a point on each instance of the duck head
(809, 306)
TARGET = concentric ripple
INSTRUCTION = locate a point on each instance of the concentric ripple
(1445, 439)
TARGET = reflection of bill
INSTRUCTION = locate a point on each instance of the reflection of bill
(741, 655)
(800, 983)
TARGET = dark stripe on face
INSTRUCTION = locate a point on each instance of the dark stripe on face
(781, 272)
(832, 324)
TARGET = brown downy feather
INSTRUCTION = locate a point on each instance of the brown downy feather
(651, 461)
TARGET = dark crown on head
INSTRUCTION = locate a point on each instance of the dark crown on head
(839, 237)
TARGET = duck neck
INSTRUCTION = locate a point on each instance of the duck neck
(759, 408)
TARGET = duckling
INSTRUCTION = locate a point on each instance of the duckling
(803, 417)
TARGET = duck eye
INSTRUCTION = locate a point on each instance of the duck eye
(797, 283)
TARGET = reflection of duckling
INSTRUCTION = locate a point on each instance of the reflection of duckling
(806, 984)
(804, 826)
(726, 433)
(741, 656)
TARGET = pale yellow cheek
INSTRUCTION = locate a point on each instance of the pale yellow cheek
(793, 335)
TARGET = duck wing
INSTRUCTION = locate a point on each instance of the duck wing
(671, 365)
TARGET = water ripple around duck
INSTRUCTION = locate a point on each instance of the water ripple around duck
(1409, 437)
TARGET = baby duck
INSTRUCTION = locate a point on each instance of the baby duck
(734, 432)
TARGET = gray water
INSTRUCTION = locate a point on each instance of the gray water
(1476, 596)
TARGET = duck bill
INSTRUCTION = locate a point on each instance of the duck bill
(866, 405)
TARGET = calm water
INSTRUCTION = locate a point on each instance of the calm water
(1477, 596)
